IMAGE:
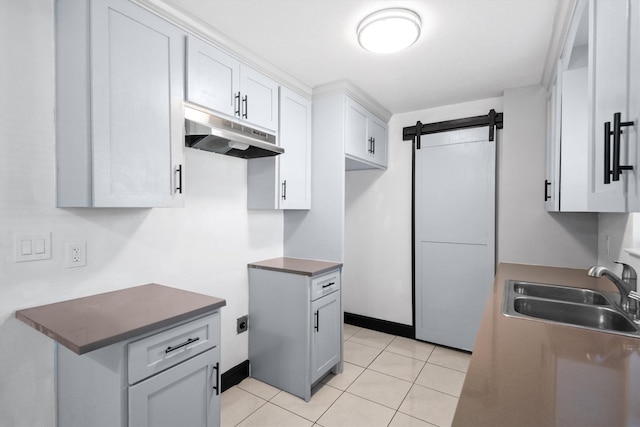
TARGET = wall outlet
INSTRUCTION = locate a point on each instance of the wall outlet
(242, 324)
(76, 254)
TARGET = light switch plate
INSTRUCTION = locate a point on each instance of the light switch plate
(32, 247)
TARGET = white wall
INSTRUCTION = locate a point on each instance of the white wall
(203, 247)
(526, 232)
(377, 274)
(378, 240)
(621, 231)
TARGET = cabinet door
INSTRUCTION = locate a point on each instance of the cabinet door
(377, 141)
(295, 163)
(137, 66)
(185, 395)
(356, 130)
(259, 100)
(552, 151)
(325, 340)
(633, 194)
(609, 68)
(213, 78)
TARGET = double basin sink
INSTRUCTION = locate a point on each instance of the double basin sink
(582, 308)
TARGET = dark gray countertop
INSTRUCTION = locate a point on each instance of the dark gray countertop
(534, 373)
(90, 323)
(306, 267)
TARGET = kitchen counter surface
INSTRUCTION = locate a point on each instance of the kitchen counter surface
(306, 267)
(532, 373)
(90, 323)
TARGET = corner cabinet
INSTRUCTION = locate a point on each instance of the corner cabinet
(365, 138)
(284, 181)
(119, 106)
(219, 82)
(295, 323)
(592, 155)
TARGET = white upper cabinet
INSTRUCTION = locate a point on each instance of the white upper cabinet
(593, 112)
(213, 78)
(295, 163)
(284, 182)
(365, 138)
(219, 82)
(119, 111)
(611, 30)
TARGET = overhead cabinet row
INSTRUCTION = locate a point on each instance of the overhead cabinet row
(121, 91)
(593, 112)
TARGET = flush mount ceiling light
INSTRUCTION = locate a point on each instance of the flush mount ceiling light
(389, 30)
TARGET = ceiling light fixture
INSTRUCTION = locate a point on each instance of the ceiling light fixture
(389, 30)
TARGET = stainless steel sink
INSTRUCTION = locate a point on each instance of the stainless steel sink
(582, 308)
(562, 293)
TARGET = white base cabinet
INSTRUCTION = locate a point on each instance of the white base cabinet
(119, 106)
(167, 378)
(295, 328)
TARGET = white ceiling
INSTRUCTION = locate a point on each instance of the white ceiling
(469, 49)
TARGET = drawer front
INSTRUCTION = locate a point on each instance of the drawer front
(158, 352)
(325, 284)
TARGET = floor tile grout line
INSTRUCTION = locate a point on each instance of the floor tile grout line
(365, 368)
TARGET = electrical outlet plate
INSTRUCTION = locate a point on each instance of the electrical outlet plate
(242, 324)
(76, 254)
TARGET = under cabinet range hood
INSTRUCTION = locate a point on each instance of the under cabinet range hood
(208, 132)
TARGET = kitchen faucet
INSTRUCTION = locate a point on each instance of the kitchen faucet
(627, 284)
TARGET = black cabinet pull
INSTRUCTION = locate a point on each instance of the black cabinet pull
(547, 183)
(607, 152)
(328, 284)
(179, 179)
(284, 189)
(317, 325)
(217, 386)
(187, 342)
(618, 124)
(236, 104)
(370, 150)
(245, 106)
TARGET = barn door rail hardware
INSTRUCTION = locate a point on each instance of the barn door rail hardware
(493, 120)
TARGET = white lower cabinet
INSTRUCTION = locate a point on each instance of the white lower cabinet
(182, 396)
(295, 328)
(324, 351)
(167, 378)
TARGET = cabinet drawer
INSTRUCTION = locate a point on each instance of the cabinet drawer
(325, 284)
(158, 352)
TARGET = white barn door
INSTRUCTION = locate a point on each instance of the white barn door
(454, 234)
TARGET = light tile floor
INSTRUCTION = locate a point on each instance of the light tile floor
(387, 381)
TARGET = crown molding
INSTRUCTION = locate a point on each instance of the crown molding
(358, 95)
(561, 24)
(201, 29)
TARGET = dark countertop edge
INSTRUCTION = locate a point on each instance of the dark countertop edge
(329, 266)
(292, 271)
(142, 330)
